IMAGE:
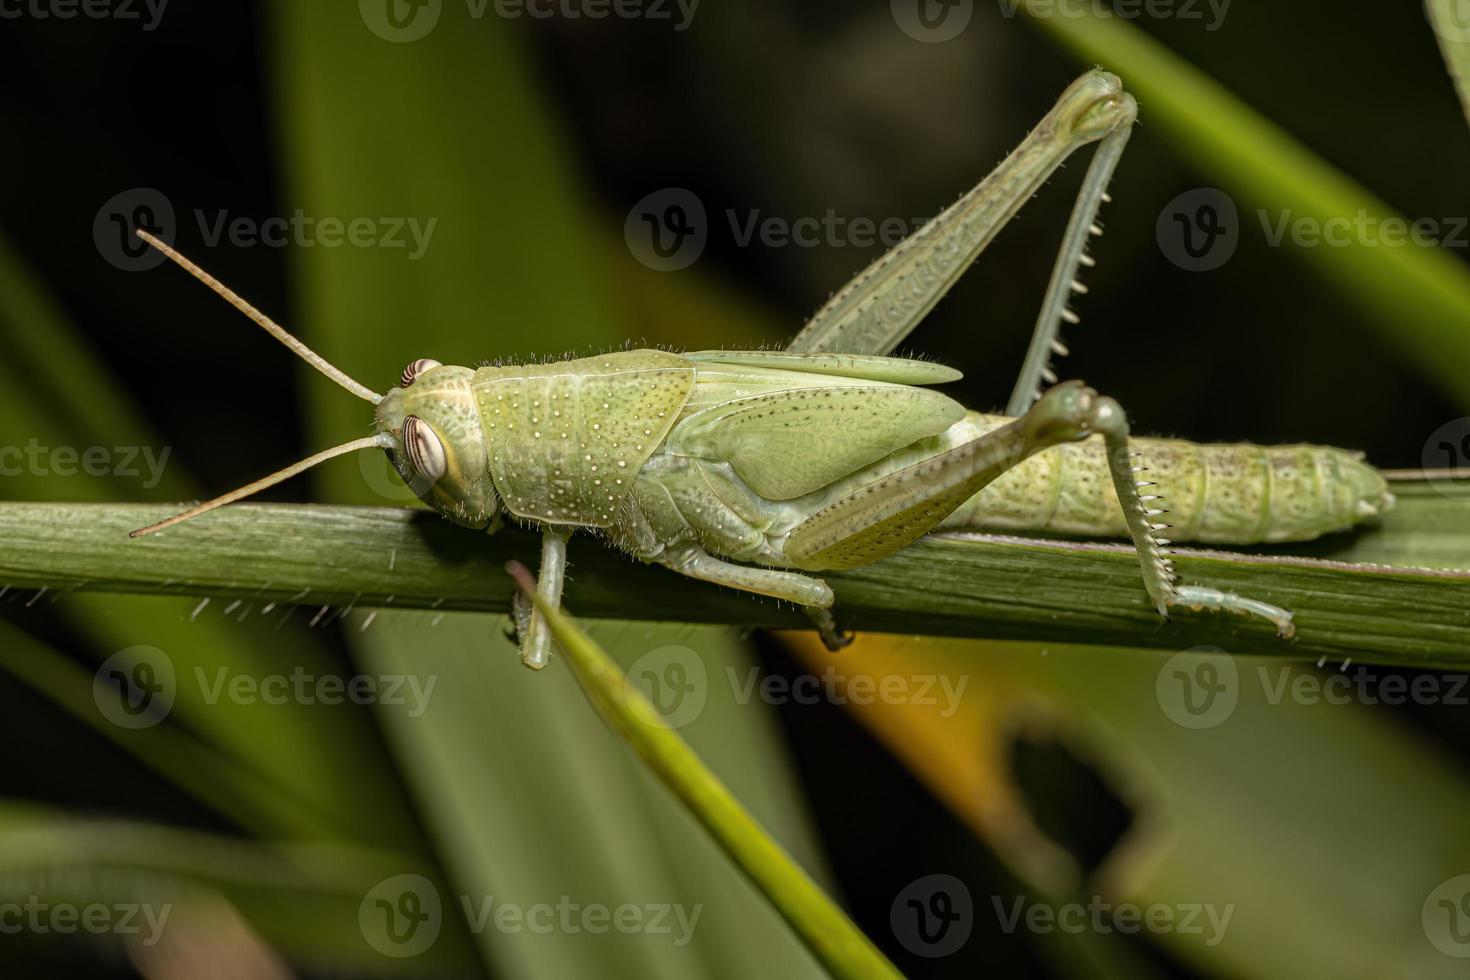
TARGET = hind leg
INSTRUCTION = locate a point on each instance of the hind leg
(878, 518)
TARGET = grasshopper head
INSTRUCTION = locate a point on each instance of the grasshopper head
(432, 430)
(1094, 106)
(428, 425)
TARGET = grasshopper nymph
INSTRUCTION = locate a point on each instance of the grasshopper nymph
(753, 469)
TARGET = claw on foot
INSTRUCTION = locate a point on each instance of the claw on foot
(832, 638)
(835, 641)
(1199, 598)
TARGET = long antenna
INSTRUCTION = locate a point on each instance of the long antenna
(380, 441)
(271, 327)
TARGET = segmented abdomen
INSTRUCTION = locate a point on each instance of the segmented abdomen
(1215, 493)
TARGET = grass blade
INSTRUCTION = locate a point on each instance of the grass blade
(950, 584)
(824, 927)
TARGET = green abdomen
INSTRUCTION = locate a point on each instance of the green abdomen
(1217, 493)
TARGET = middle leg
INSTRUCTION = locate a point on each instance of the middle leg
(812, 594)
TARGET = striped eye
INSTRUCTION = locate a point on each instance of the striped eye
(425, 451)
(411, 373)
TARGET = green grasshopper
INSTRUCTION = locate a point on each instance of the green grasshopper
(753, 469)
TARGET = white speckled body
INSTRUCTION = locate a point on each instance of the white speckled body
(731, 452)
(1222, 493)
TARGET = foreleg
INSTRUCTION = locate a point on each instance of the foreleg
(534, 630)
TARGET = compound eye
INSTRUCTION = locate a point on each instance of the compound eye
(425, 451)
(411, 373)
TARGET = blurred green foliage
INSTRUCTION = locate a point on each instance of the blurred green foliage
(1331, 824)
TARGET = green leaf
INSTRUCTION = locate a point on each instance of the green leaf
(946, 584)
(302, 898)
(1418, 298)
(1246, 784)
(826, 930)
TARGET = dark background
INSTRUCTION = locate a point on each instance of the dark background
(791, 109)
